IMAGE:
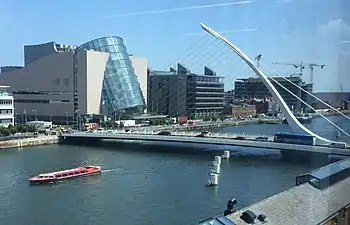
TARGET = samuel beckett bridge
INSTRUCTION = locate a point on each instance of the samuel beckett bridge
(213, 52)
(319, 197)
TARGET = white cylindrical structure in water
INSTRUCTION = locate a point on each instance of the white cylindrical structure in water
(214, 179)
(218, 160)
(216, 168)
(227, 154)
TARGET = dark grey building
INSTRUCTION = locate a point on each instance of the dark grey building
(182, 93)
(229, 97)
(5, 69)
(335, 99)
(253, 87)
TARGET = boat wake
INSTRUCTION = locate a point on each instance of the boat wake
(110, 170)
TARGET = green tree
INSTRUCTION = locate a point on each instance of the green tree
(5, 131)
(206, 118)
(21, 128)
(32, 129)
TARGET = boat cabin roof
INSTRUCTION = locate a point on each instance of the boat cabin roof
(65, 171)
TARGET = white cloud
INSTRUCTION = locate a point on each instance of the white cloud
(180, 9)
(337, 27)
(224, 32)
(284, 1)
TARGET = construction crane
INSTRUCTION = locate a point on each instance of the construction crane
(258, 58)
(312, 67)
(302, 66)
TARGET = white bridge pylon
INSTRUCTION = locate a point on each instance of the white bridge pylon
(293, 122)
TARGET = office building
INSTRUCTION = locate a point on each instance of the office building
(61, 81)
(253, 87)
(6, 107)
(182, 93)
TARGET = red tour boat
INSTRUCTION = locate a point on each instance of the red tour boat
(65, 174)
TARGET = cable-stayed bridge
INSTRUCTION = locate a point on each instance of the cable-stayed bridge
(221, 55)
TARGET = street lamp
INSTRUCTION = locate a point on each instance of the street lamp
(34, 110)
(78, 118)
(66, 118)
(50, 118)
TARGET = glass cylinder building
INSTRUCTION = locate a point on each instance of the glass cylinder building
(121, 90)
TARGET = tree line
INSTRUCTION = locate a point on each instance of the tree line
(7, 131)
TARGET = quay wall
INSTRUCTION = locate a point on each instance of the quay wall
(27, 142)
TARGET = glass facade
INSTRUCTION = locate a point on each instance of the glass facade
(121, 89)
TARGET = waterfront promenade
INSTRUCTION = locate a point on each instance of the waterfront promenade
(319, 197)
(302, 204)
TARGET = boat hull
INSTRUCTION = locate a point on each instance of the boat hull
(64, 175)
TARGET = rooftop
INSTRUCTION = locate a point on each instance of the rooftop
(330, 169)
(301, 203)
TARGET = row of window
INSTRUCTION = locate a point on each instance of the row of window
(5, 102)
(6, 111)
(40, 101)
(38, 93)
(2, 121)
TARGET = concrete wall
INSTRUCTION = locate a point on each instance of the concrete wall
(91, 67)
(140, 65)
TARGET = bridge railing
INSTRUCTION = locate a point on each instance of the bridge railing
(179, 133)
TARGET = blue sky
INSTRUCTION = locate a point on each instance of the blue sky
(283, 30)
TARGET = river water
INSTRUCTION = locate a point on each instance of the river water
(139, 186)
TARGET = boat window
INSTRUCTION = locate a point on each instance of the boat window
(77, 172)
(64, 174)
(71, 173)
(58, 175)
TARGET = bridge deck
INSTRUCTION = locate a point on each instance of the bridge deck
(213, 141)
(302, 204)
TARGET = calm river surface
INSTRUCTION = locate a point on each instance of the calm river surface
(138, 186)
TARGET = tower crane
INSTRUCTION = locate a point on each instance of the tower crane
(312, 67)
(258, 58)
(302, 66)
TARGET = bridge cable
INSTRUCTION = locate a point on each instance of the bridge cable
(339, 128)
(320, 100)
(324, 117)
(198, 58)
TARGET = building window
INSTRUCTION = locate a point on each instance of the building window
(66, 81)
(58, 81)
